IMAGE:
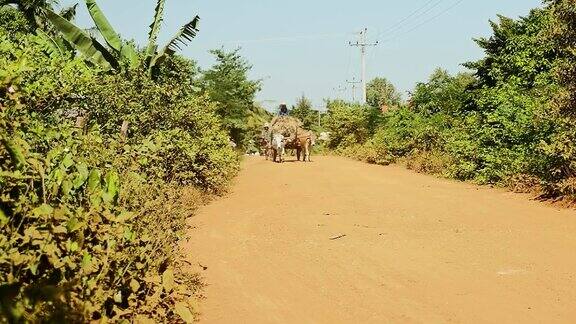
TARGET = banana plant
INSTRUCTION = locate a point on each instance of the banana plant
(118, 53)
(182, 38)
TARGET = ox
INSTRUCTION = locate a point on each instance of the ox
(278, 144)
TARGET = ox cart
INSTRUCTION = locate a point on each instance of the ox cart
(285, 132)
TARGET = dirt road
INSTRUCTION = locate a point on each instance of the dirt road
(338, 241)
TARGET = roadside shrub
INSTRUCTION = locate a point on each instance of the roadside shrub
(432, 162)
(90, 221)
(84, 234)
(186, 131)
(348, 124)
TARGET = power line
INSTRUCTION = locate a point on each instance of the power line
(416, 14)
(425, 22)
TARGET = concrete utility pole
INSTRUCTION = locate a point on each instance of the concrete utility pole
(362, 43)
(354, 86)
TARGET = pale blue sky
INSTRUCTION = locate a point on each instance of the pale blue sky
(301, 46)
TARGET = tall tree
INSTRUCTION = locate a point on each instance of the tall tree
(303, 111)
(227, 84)
(508, 107)
(381, 94)
(563, 34)
(561, 148)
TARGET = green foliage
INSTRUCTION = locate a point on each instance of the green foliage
(257, 117)
(32, 10)
(84, 234)
(510, 121)
(13, 21)
(303, 111)
(90, 222)
(86, 45)
(348, 124)
(442, 93)
(560, 148)
(380, 93)
(227, 84)
(120, 54)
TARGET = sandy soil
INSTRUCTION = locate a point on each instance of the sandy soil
(338, 241)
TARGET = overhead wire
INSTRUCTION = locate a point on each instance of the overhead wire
(415, 15)
(425, 22)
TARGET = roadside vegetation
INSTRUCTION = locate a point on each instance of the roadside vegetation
(105, 149)
(508, 121)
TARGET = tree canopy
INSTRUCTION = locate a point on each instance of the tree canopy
(381, 93)
(227, 84)
(303, 110)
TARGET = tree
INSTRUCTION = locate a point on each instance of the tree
(33, 10)
(563, 36)
(442, 93)
(227, 84)
(303, 111)
(119, 53)
(14, 22)
(561, 147)
(348, 124)
(381, 94)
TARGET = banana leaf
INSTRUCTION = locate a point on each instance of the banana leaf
(155, 28)
(86, 45)
(110, 36)
(182, 38)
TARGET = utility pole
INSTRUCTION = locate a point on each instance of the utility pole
(354, 86)
(362, 44)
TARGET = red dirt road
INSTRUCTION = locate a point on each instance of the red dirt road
(416, 249)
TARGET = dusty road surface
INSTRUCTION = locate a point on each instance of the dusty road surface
(338, 241)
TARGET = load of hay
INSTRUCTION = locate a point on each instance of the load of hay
(288, 126)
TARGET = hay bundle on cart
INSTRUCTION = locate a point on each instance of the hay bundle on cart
(288, 126)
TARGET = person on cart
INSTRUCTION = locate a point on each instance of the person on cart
(283, 110)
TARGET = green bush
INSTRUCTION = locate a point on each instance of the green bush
(84, 234)
(90, 221)
(348, 124)
(502, 125)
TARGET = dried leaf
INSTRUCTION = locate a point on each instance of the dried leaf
(134, 285)
(184, 312)
(59, 230)
(118, 297)
(168, 280)
(125, 216)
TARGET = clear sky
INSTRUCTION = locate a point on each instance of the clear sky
(301, 46)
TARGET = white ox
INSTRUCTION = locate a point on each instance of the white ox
(278, 144)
